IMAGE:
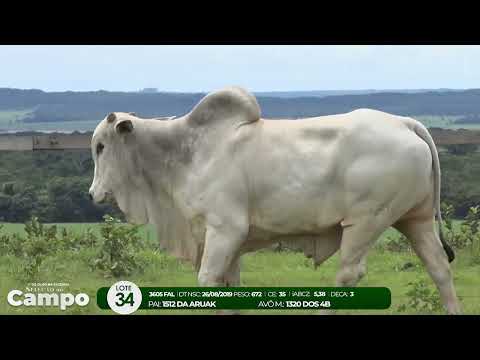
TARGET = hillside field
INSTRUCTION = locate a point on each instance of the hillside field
(11, 120)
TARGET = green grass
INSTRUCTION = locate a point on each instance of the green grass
(263, 268)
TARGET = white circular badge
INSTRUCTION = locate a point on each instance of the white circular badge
(124, 297)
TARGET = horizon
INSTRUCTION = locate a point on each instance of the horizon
(158, 90)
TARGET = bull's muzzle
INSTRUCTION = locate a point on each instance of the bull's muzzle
(95, 196)
(100, 197)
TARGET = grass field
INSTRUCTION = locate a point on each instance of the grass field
(87, 125)
(68, 126)
(263, 268)
(446, 122)
(9, 118)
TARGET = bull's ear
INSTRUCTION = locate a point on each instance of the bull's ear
(111, 117)
(124, 127)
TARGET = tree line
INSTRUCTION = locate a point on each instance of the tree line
(53, 185)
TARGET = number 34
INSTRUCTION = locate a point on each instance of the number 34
(122, 300)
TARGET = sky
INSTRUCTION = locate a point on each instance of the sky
(202, 68)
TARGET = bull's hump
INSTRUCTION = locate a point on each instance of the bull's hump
(233, 104)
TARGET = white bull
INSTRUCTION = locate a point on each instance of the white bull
(220, 181)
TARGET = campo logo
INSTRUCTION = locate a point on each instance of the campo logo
(61, 300)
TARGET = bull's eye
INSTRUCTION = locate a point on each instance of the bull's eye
(100, 147)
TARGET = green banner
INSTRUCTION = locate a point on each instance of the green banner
(237, 298)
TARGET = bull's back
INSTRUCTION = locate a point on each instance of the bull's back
(307, 174)
(331, 141)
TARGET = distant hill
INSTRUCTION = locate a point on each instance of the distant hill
(324, 93)
(94, 105)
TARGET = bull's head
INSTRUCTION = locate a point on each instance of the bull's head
(114, 153)
(128, 165)
(109, 155)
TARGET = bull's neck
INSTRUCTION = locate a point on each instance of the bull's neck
(162, 153)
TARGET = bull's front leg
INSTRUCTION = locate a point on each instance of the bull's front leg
(220, 259)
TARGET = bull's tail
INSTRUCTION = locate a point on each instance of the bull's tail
(423, 133)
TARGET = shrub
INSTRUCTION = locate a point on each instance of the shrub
(116, 257)
(472, 223)
(40, 241)
(421, 298)
(468, 230)
(72, 241)
(408, 266)
(473, 219)
(476, 251)
(397, 243)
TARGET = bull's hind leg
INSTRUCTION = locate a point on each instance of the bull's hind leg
(428, 247)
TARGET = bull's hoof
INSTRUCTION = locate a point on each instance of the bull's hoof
(455, 311)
